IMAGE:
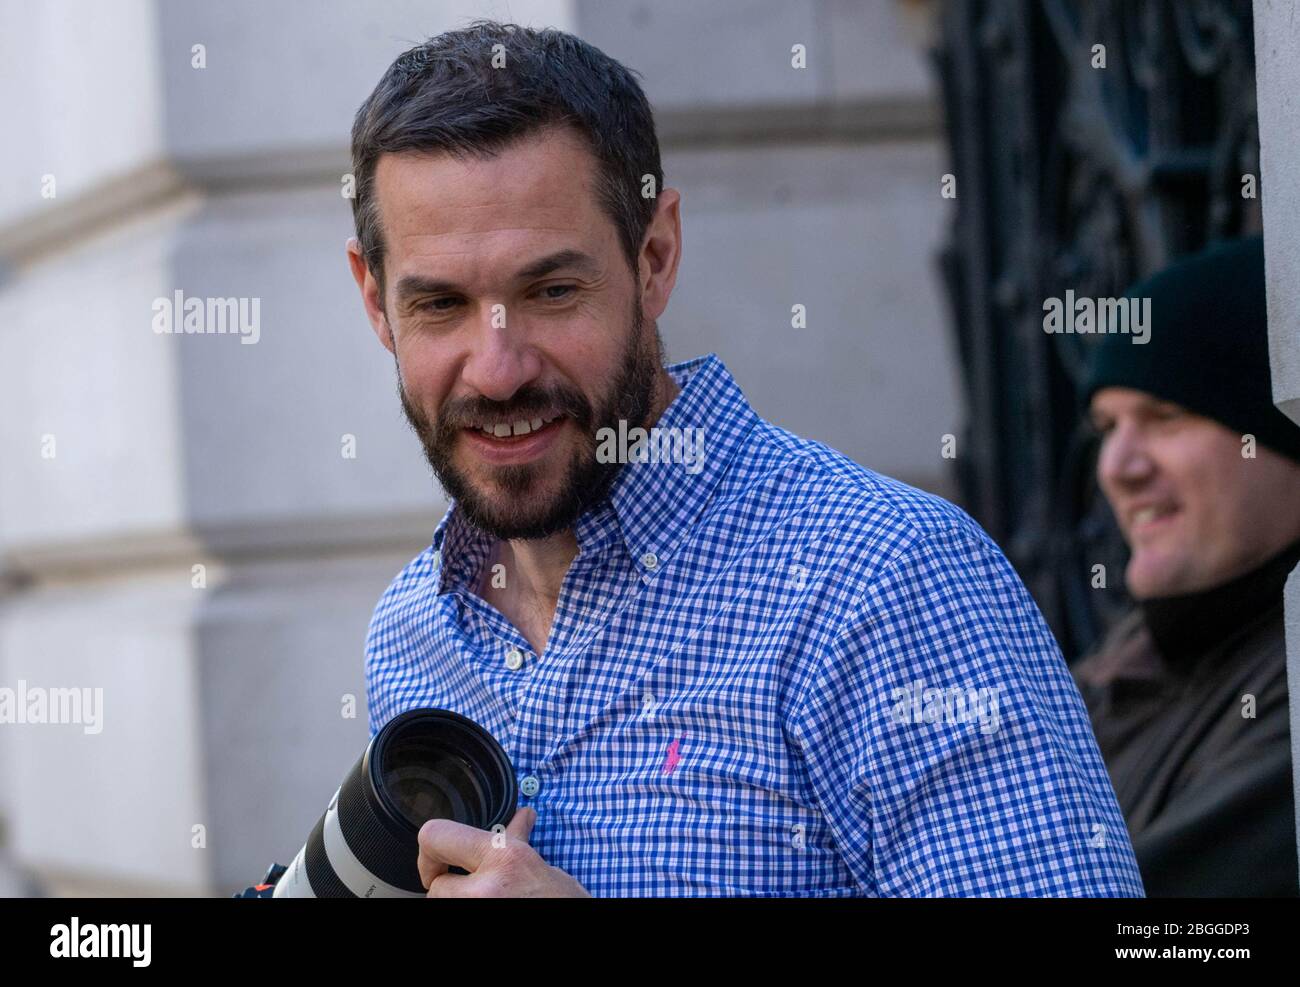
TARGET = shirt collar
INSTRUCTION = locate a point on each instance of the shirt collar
(651, 506)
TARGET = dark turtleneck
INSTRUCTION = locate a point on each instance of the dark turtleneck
(1189, 626)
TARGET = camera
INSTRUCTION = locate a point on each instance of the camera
(423, 764)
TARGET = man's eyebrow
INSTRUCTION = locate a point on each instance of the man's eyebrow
(417, 284)
(411, 285)
(567, 258)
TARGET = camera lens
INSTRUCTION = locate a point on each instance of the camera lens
(442, 767)
(424, 764)
(442, 790)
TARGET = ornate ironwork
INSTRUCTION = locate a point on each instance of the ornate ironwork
(1071, 175)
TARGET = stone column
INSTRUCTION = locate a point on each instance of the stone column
(1277, 74)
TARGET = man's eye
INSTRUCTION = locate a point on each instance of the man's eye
(566, 290)
(444, 304)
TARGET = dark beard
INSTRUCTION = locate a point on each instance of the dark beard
(587, 481)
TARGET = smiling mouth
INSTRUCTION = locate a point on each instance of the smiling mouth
(513, 443)
(1149, 515)
(505, 431)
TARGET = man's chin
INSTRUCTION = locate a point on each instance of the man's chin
(499, 513)
(524, 501)
(516, 529)
(517, 511)
(1151, 576)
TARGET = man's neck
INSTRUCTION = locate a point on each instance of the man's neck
(534, 568)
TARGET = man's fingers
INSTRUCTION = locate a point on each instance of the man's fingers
(445, 842)
(429, 868)
(522, 823)
(451, 886)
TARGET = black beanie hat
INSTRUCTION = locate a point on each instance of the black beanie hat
(1208, 344)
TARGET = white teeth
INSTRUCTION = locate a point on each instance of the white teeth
(1149, 514)
(522, 427)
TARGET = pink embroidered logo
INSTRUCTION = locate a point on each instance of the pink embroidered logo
(673, 758)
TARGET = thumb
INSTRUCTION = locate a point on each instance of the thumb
(522, 823)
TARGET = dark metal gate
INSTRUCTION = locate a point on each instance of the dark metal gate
(1075, 176)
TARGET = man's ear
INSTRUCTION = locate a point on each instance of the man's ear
(661, 250)
(369, 294)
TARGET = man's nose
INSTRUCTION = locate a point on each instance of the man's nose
(1125, 460)
(501, 359)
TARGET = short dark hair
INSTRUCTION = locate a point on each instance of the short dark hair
(445, 95)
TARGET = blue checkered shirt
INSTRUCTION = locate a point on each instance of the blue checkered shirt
(763, 678)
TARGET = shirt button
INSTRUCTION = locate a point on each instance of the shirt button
(650, 560)
(514, 659)
(530, 786)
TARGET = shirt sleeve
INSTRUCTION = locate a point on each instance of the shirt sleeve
(945, 741)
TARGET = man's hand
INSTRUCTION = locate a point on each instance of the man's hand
(500, 866)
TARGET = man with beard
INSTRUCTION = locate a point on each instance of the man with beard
(775, 674)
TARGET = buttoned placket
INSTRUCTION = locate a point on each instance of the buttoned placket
(542, 698)
(513, 672)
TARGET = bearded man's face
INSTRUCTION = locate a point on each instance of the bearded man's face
(517, 326)
(534, 484)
